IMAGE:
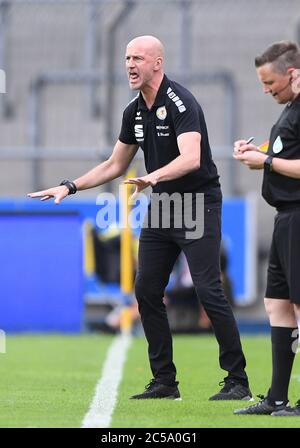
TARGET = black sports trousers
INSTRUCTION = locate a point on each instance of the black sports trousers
(158, 251)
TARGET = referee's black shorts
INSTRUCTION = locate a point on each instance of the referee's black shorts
(283, 281)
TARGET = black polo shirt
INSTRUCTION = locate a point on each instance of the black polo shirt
(278, 190)
(174, 112)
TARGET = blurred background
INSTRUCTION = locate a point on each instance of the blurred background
(66, 89)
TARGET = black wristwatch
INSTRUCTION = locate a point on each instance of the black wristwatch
(268, 164)
(70, 186)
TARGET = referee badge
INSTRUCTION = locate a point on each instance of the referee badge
(277, 145)
(161, 113)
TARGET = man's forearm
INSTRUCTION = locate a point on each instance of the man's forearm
(105, 172)
(179, 167)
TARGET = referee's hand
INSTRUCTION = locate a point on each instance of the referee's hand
(240, 146)
(58, 193)
(252, 159)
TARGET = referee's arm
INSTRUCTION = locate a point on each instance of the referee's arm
(289, 168)
(106, 171)
(255, 160)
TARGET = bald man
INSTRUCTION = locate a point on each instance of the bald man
(167, 122)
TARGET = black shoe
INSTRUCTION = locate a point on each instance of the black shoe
(159, 390)
(288, 411)
(232, 391)
(266, 406)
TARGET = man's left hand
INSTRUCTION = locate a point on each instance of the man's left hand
(141, 183)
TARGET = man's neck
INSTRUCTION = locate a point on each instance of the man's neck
(149, 92)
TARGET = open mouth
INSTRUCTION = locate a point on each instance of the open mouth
(133, 76)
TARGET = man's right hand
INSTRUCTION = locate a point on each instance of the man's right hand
(59, 193)
(241, 146)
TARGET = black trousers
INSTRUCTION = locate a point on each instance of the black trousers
(158, 251)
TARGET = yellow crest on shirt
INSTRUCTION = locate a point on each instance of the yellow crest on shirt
(161, 113)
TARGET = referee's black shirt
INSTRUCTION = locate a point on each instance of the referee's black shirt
(282, 191)
(174, 112)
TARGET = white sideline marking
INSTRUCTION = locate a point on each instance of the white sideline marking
(102, 406)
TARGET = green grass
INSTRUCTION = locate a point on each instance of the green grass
(49, 381)
(198, 371)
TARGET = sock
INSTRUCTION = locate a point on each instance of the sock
(284, 347)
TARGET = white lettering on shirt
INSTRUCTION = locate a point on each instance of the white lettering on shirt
(172, 95)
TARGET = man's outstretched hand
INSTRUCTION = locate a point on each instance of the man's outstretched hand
(141, 183)
(58, 193)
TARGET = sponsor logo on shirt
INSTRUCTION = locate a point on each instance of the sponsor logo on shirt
(139, 132)
(175, 98)
(162, 128)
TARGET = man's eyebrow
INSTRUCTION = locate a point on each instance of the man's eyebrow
(134, 56)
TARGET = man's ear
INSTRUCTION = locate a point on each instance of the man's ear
(158, 63)
(290, 72)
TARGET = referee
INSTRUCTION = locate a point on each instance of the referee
(277, 70)
(166, 121)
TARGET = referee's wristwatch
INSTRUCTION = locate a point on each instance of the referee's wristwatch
(268, 164)
(70, 186)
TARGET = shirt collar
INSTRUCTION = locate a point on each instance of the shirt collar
(295, 100)
(160, 96)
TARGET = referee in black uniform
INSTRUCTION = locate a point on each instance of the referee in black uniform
(277, 69)
(168, 124)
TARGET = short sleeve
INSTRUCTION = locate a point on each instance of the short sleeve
(187, 118)
(127, 129)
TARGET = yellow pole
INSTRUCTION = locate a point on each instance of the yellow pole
(126, 241)
(126, 257)
(89, 250)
